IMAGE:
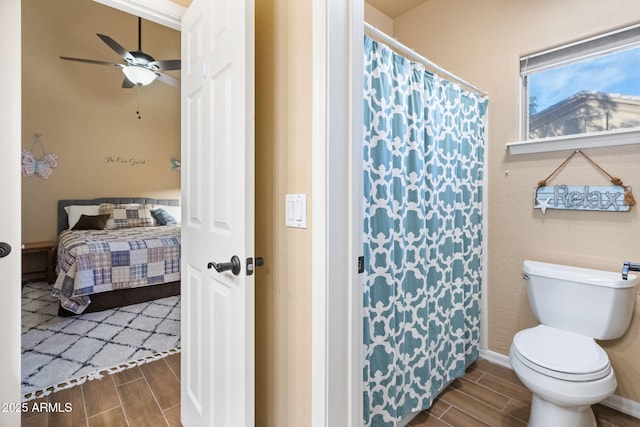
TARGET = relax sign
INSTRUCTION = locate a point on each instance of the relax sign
(582, 198)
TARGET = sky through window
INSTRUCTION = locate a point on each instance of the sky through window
(614, 73)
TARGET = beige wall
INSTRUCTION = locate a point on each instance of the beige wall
(283, 159)
(481, 42)
(85, 115)
(378, 19)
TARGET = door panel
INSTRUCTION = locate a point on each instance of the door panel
(193, 340)
(220, 159)
(217, 199)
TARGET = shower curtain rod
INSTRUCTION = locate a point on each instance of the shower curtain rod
(412, 53)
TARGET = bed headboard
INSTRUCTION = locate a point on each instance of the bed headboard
(63, 220)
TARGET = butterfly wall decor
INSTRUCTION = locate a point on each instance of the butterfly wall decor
(42, 167)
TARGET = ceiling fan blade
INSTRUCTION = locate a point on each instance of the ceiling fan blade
(117, 48)
(128, 84)
(88, 61)
(170, 80)
(168, 64)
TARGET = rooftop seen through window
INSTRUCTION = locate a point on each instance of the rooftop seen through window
(576, 94)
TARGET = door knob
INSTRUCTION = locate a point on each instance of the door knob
(5, 249)
(233, 266)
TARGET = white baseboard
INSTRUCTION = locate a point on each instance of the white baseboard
(622, 404)
(497, 358)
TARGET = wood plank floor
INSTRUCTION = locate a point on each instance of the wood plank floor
(149, 395)
(144, 396)
(492, 395)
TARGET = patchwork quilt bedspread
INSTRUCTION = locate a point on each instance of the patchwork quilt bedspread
(93, 261)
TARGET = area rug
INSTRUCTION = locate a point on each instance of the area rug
(59, 352)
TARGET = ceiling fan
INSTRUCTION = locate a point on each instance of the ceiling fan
(140, 68)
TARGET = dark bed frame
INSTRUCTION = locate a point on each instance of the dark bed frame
(121, 297)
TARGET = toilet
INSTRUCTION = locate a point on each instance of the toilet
(559, 360)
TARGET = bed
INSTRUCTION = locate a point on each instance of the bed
(116, 255)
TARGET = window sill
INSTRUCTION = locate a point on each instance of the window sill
(575, 142)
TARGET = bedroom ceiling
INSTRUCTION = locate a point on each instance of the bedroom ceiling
(395, 8)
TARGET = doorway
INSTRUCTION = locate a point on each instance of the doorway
(88, 116)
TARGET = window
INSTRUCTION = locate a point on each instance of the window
(589, 86)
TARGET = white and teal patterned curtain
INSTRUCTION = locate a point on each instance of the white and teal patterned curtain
(423, 171)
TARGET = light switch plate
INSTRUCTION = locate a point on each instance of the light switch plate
(296, 210)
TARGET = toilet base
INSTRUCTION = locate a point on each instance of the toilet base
(545, 414)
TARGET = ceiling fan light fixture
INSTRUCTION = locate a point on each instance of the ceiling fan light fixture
(139, 75)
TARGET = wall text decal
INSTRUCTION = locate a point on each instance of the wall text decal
(580, 197)
(130, 161)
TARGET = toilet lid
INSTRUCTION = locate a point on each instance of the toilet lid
(562, 352)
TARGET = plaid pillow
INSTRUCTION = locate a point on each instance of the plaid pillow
(127, 215)
(163, 217)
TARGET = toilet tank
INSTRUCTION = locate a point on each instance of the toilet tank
(595, 303)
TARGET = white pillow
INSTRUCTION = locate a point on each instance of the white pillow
(75, 211)
(174, 211)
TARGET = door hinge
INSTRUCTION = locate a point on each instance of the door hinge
(360, 264)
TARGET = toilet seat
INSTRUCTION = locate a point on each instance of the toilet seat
(561, 354)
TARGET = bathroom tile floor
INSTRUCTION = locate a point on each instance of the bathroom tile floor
(492, 395)
(488, 395)
(144, 396)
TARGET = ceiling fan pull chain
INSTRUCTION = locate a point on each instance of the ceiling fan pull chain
(138, 104)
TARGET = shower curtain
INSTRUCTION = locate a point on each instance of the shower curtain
(423, 172)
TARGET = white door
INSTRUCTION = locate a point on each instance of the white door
(218, 205)
(10, 129)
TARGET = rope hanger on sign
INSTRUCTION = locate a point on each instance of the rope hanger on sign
(629, 200)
